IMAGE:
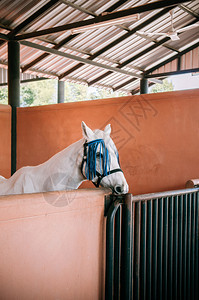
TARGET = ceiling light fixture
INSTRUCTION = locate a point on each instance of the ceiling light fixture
(117, 21)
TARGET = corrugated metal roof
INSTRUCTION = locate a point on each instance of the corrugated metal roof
(23, 76)
(118, 46)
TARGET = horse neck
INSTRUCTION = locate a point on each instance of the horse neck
(67, 163)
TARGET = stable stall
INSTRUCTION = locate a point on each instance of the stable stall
(53, 244)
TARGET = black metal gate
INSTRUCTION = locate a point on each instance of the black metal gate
(152, 246)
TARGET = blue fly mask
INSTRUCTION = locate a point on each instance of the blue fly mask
(96, 152)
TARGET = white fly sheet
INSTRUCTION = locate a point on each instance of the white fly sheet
(63, 171)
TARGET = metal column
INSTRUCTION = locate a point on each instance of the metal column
(14, 95)
(126, 248)
(144, 86)
(60, 91)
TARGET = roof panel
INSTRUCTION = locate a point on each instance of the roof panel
(105, 45)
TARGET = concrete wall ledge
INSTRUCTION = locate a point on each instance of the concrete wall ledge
(38, 204)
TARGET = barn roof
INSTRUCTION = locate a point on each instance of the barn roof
(58, 40)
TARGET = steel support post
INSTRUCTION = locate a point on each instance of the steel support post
(126, 249)
(14, 95)
(60, 91)
(144, 86)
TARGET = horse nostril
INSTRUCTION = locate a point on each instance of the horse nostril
(118, 189)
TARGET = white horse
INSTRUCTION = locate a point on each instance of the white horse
(94, 158)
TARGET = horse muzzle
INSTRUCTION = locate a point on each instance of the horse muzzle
(121, 189)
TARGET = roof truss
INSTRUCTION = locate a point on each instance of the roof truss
(101, 18)
(111, 14)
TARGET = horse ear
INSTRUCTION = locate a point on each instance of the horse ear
(87, 132)
(107, 129)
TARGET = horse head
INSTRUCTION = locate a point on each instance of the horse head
(100, 162)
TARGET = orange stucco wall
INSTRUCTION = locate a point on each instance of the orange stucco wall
(5, 140)
(157, 135)
(52, 245)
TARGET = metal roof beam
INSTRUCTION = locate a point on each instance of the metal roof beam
(170, 59)
(155, 41)
(159, 43)
(114, 43)
(26, 80)
(5, 63)
(32, 18)
(68, 39)
(80, 8)
(116, 5)
(59, 45)
(4, 37)
(189, 11)
(76, 58)
(134, 79)
(124, 84)
(99, 19)
(44, 55)
(194, 70)
(89, 12)
(5, 27)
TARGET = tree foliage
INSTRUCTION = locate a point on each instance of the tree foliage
(27, 95)
(165, 87)
(80, 92)
(3, 95)
(39, 93)
(45, 92)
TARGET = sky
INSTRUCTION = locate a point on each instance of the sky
(185, 81)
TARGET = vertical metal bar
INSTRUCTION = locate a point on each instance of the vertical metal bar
(60, 91)
(132, 248)
(144, 86)
(184, 247)
(196, 246)
(175, 248)
(126, 250)
(188, 245)
(149, 249)
(179, 63)
(170, 249)
(160, 248)
(193, 198)
(110, 250)
(165, 247)
(143, 251)
(136, 271)
(154, 249)
(14, 95)
(180, 227)
(117, 254)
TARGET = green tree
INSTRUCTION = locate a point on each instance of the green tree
(45, 92)
(27, 95)
(4, 95)
(81, 92)
(75, 92)
(39, 92)
(165, 87)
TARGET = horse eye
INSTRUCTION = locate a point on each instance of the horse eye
(98, 155)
